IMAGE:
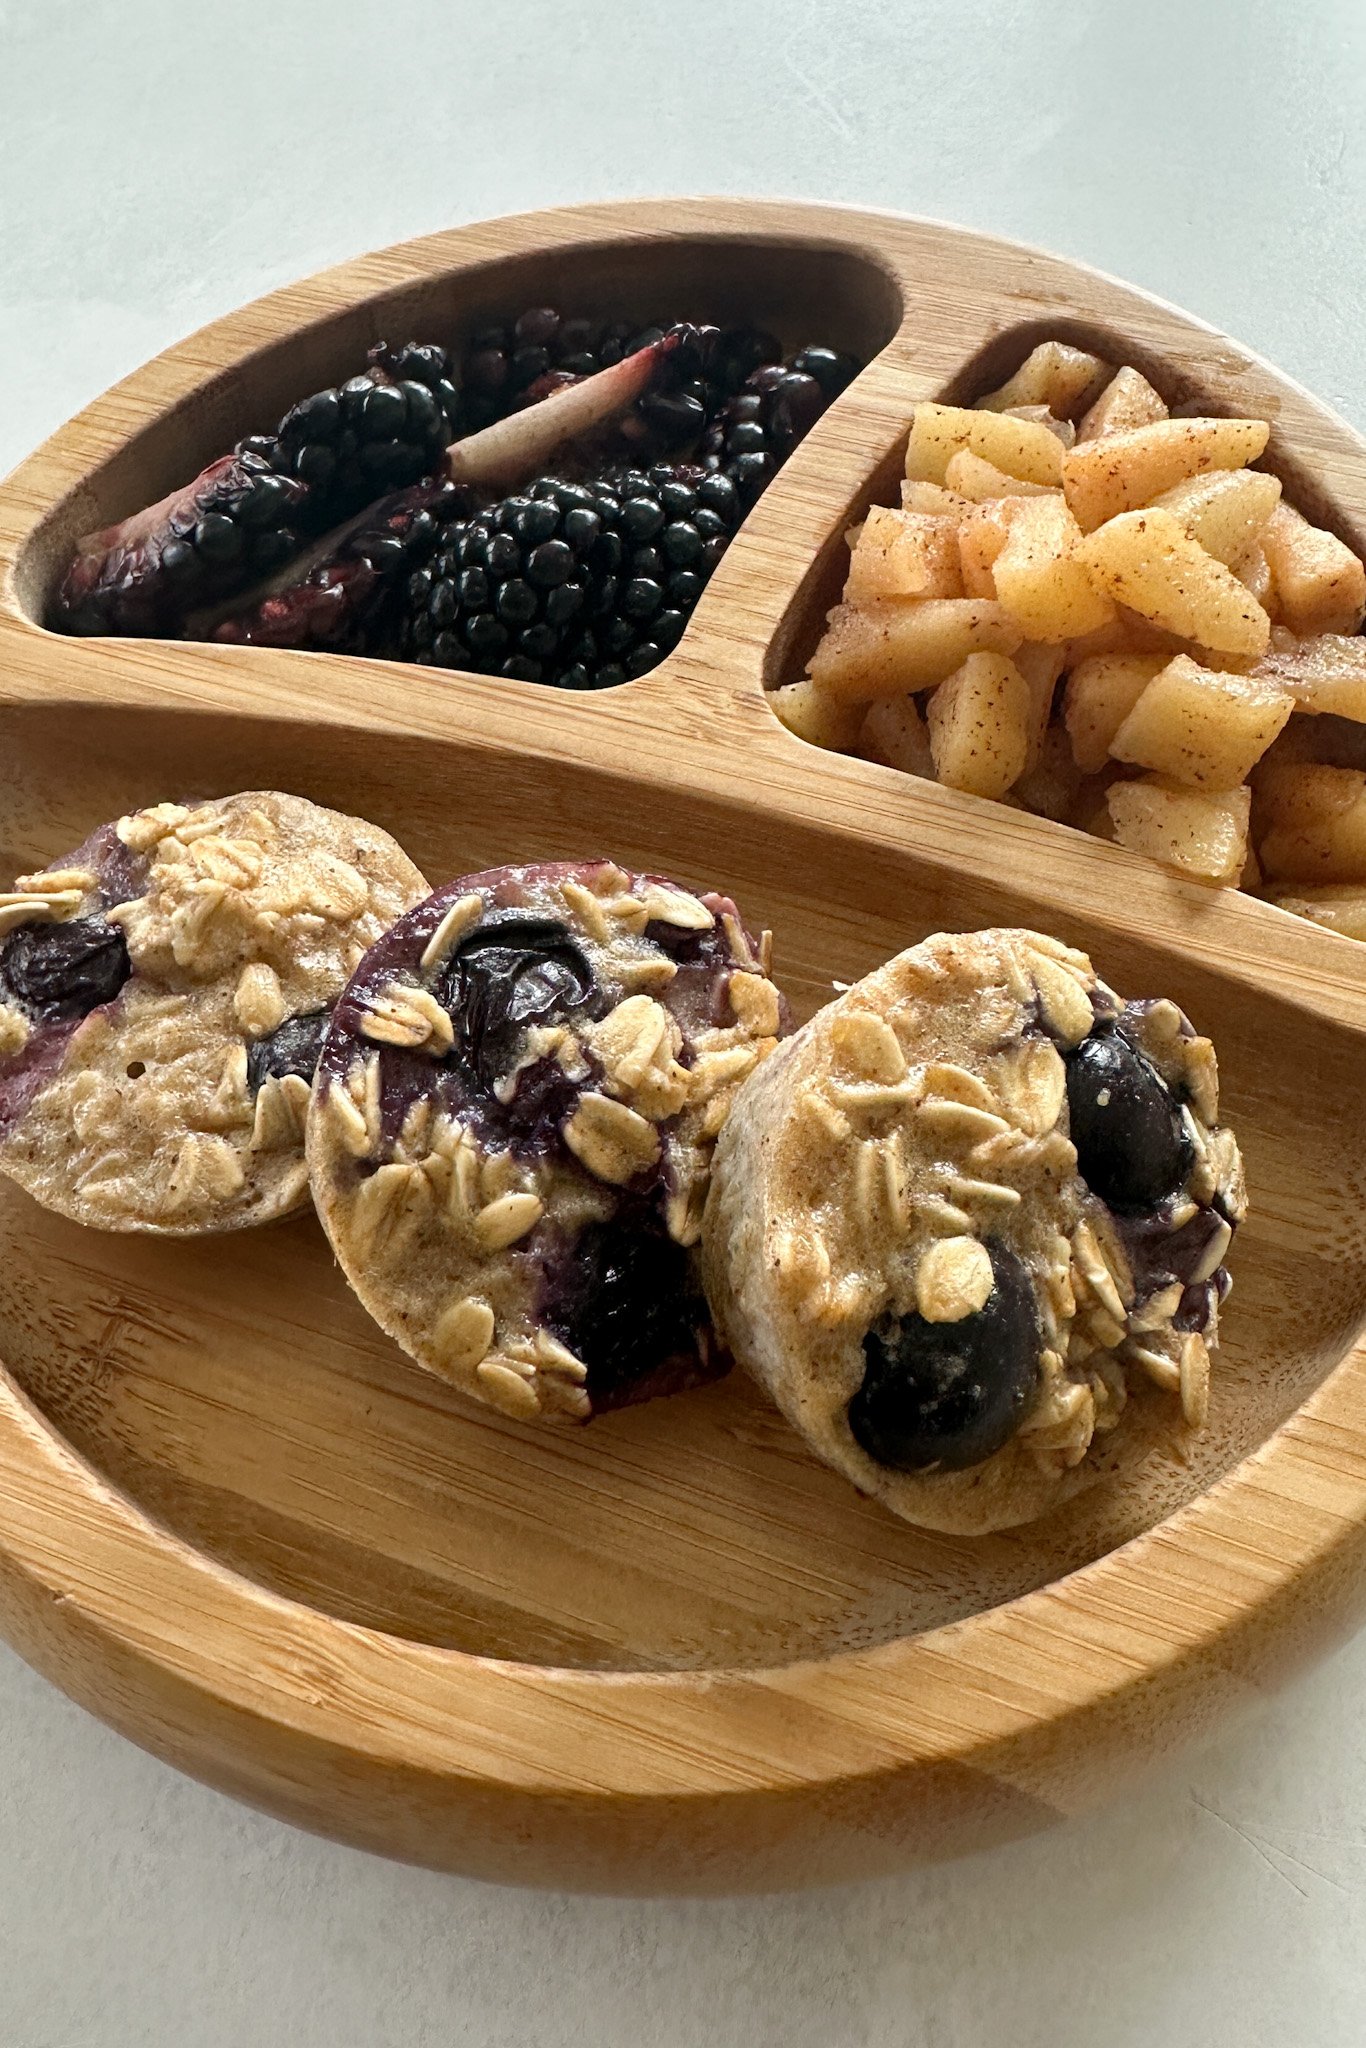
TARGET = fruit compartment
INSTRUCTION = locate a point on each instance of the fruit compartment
(235, 1390)
(1212, 391)
(161, 426)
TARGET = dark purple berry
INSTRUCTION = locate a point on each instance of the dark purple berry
(58, 972)
(294, 1047)
(948, 1395)
(624, 1298)
(1133, 1148)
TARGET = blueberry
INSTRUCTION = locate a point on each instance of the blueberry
(294, 1047)
(511, 971)
(1133, 1148)
(624, 1299)
(59, 972)
(948, 1395)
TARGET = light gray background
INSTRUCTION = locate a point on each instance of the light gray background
(160, 164)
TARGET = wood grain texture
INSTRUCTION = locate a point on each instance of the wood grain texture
(671, 1651)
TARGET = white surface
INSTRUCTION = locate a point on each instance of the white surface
(158, 166)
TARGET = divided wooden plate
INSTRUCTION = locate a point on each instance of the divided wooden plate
(670, 1651)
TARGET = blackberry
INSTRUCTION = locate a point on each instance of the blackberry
(250, 511)
(776, 408)
(339, 594)
(497, 590)
(235, 522)
(378, 432)
(578, 585)
(503, 368)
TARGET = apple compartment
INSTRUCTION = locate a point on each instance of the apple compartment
(1218, 393)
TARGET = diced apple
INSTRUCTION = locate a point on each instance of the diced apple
(904, 554)
(1202, 833)
(1053, 785)
(1100, 694)
(1255, 576)
(932, 498)
(810, 711)
(1318, 823)
(1122, 471)
(1062, 429)
(1019, 447)
(979, 726)
(894, 733)
(1148, 561)
(1319, 584)
(973, 477)
(1040, 665)
(1202, 726)
(901, 644)
(1226, 511)
(1127, 635)
(1039, 580)
(1342, 907)
(1298, 792)
(1128, 400)
(1326, 674)
(1054, 374)
(982, 534)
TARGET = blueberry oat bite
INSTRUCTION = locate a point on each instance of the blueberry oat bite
(162, 998)
(966, 1213)
(511, 1133)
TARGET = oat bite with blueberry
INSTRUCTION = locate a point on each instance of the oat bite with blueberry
(511, 1133)
(968, 1229)
(163, 994)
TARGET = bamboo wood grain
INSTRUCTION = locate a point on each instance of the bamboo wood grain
(670, 1651)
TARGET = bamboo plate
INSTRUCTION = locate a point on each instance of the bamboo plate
(671, 1651)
